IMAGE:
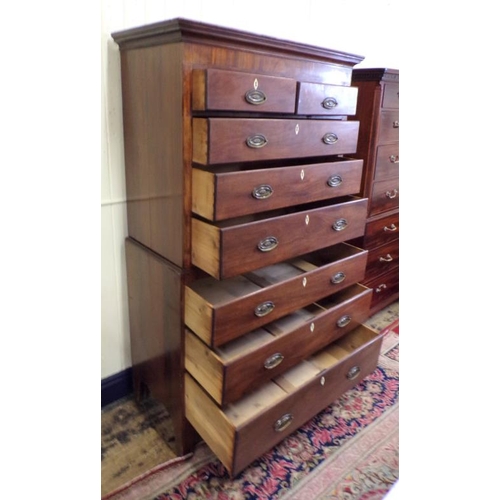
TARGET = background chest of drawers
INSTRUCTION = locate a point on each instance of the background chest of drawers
(378, 146)
(244, 295)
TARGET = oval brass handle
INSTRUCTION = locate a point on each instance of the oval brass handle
(387, 258)
(339, 225)
(268, 244)
(395, 124)
(282, 423)
(391, 194)
(330, 138)
(353, 372)
(391, 228)
(394, 159)
(255, 97)
(273, 361)
(338, 278)
(329, 102)
(262, 192)
(256, 141)
(344, 321)
(334, 181)
(264, 309)
(380, 288)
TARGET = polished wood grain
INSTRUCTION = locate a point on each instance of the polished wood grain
(224, 140)
(316, 99)
(220, 311)
(234, 369)
(218, 195)
(227, 250)
(382, 230)
(385, 196)
(247, 429)
(387, 162)
(385, 288)
(382, 259)
(389, 127)
(154, 290)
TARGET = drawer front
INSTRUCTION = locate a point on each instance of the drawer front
(387, 162)
(228, 140)
(215, 89)
(389, 127)
(238, 441)
(219, 196)
(227, 378)
(382, 231)
(320, 99)
(385, 196)
(382, 259)
(219, 322)
(384, 286)
(246, 247)
(250, 371)
(390, 98)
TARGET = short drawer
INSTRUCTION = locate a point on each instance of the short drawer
(320, 99)
(229, 140)
(385, 196)
(381, 231)
(382, 259)
(390, 99)
(387, 162)
(220, 193)
(221, 310)
(229, 372)
(224, 249)
(243, 431)
(384, 287)
(215, 89)
(389, 127)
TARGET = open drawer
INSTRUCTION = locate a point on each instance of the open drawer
(238, 367)
(241, 432)
(221, 310)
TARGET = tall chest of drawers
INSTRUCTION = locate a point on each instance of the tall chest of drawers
(245, 300)
(378, 147)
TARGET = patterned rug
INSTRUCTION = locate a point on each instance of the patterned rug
(347, 452)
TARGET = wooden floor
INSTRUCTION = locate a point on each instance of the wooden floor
(131, 441)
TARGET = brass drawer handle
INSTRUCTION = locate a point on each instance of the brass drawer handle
(394, 159)
(391, 228)
(255, 97)
(380, 288)
(282, 423)
(339, 225)
(273, 361)
(330, 138)
(353, 372)
(338, 278)
(387, 258)
(334, 181)
(262, 192)
(256, 141)
(268, 244)
(395, 124)
(391, 194)
(344, 321)
(264, 309)
(329, 102)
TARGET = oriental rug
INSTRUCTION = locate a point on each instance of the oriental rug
(348, 451)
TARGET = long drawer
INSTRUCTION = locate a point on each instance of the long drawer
(382, 259)
(226, 249)
(228, 140)
(229, 372)
(221, 193)
(243, 431)
(221, 310)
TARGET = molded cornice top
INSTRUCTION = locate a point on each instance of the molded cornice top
(180, 30)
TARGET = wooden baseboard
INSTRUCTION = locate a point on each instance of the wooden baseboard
(116, 387)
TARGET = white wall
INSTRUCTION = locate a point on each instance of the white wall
(364, 27)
